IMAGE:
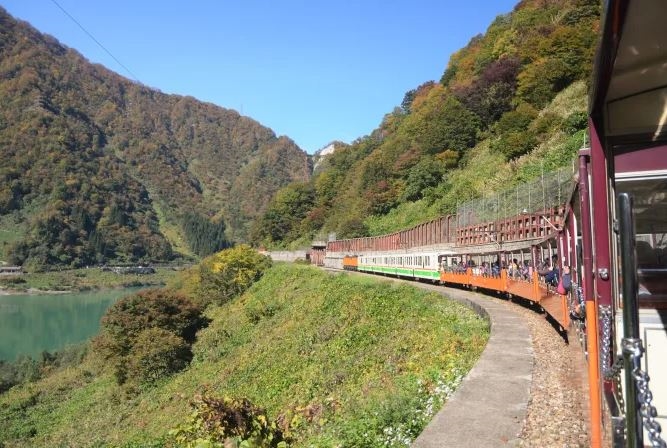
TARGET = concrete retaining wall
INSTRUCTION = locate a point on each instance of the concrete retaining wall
(287, 255)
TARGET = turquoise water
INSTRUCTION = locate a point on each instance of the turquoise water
(30, 324)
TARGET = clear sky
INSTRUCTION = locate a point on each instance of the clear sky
(313, 70)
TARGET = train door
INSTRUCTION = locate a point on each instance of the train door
(648, 191)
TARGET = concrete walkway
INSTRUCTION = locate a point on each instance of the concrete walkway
(489, 407)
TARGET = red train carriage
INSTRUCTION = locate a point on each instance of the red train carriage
(624, 271)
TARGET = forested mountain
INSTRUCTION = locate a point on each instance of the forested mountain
(96, 168)
(510, 105)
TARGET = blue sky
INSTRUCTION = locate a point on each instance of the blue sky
(313, 70)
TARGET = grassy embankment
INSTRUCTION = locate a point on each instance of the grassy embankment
(370, 361)
(82, 279)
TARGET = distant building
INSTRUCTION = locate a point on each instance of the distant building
(7, 270)
(130, 269)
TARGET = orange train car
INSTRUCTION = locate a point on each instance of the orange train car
(350, 262)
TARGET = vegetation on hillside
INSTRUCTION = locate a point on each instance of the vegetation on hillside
(494, 116)
(147, 335)
(89, 158)
(302, 358)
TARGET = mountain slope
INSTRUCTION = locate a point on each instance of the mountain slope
(88, 156)
(494, 116)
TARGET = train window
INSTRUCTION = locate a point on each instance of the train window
(650, 212)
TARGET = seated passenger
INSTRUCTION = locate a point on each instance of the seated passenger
(525, 270)
(514, 269)
(551, 275)
(495, 269)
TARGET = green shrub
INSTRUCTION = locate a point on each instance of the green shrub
(157, 353)
(516, 120)
(23, 370)
(546, 123)
(26, 369)
(218, 422)
(12, 281)
(228, 274)
(124, 323)
(514, 144)
(575, 122)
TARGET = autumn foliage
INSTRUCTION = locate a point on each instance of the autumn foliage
(98, 169)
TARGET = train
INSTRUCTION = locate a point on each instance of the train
(609, 230)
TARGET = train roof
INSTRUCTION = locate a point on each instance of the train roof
(629, 88)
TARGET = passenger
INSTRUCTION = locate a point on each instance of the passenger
(565, 283)
(578, 311)
(525, 270)
(553, 278)
(495, 269)
(549, 271)
(567, 278)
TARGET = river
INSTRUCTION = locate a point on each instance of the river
(30, 324)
